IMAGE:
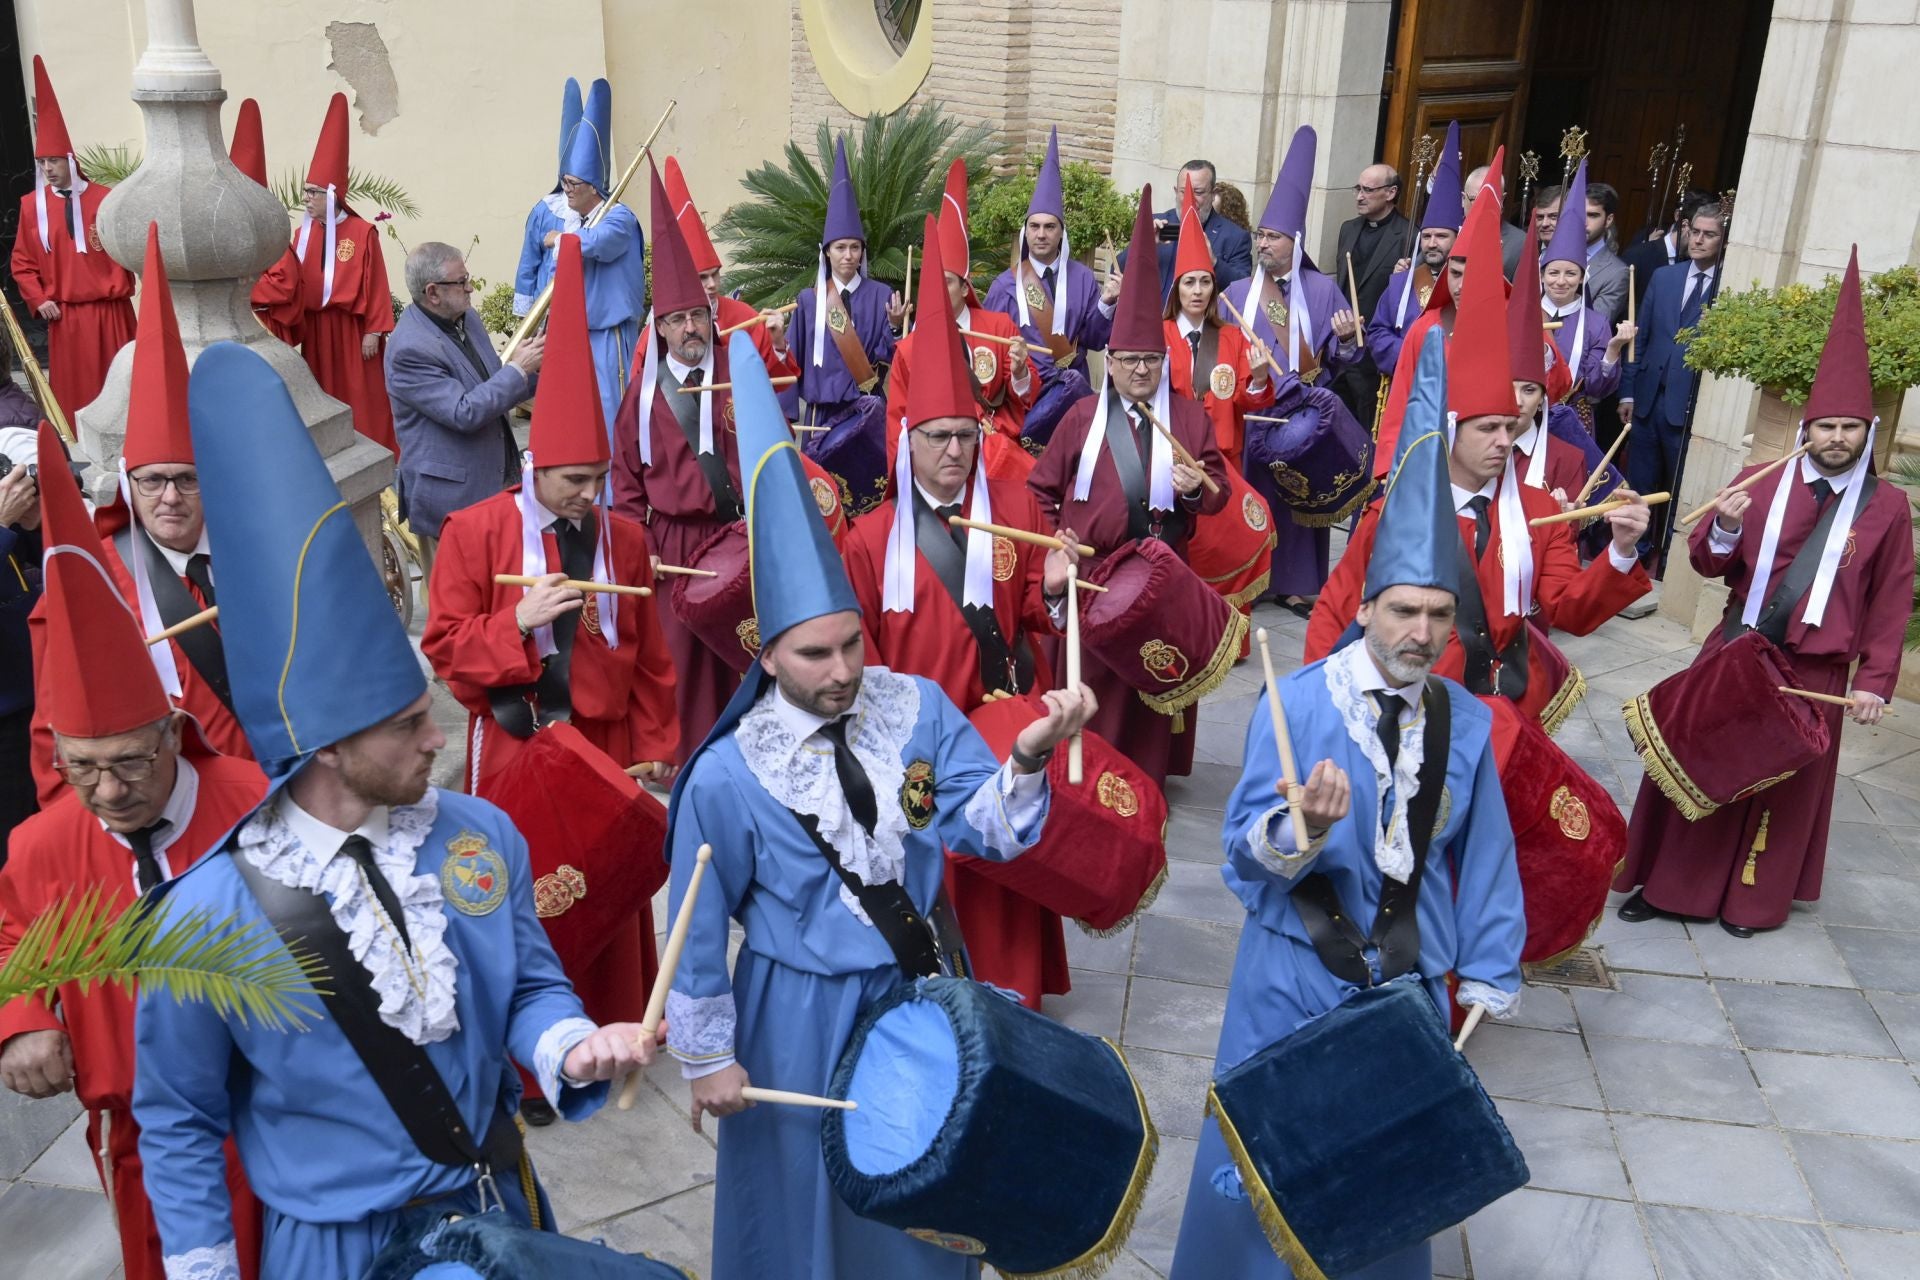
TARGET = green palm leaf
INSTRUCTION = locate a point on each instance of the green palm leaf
(246, 974)
(363, 188)
(108, 166)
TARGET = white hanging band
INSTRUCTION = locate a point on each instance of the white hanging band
(1061, 260)
(144, 602)
(603, 572)
(1516, 548)
(978, 590)
(1400, 312)
(1537, 460)
(1299, 323)
(1160, 462)
(820, 304)
(1830, 554)
(1020, 266)
(896, 571)
(1096, 437)
(533, 550)
(649, 384)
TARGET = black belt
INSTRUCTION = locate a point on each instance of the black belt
(924, 946)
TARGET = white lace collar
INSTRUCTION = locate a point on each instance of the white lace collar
(416, 990)
(797, 770)
(1350, 673)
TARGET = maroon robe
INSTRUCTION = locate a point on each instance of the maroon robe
(1566, 467)
(1147, 736)
(94, 293)
(1699, 868)
(1012, 941)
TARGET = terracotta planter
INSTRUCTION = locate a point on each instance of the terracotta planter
(1777, 421)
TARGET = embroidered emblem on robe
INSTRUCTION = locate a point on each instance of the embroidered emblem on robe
(1164, 662)
(474, 877)
(344, 250)
(1005, 559)
(916, 794)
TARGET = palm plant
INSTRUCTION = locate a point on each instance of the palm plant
(244, 973)
(110, 166)
(899, 165)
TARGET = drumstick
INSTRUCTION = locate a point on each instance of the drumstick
(1353, 290)
(1552, 324)
(669, 964)
(185, 625)
(989, 337)
(797, 427)
(1074, 768)
(1180, 450)
(1254, 417)
(685, 572)
(1631, 342)
(759, 319)
(1283, 741)
(1748, 483)
(1599, 509)
(1606, 460)
(1084, 585)
(1474, 1014)
(1018, 535)
(1247, 329)
(591, 588)
(728, 386)
(1811, 696)
(753, 1093)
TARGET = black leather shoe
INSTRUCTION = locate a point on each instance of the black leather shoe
(1637, 909)
(537, 1112)
(1737, 930)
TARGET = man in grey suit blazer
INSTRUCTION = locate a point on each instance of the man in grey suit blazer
(1606, 273)
(451, 397)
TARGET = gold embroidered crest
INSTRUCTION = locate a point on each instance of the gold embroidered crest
(836, 319)
(823, 496)
(1277, 314)
(558, 890)
(1005, 559)
(1222, 381)
(344, 250)
(1035, 297)
(729, 414)
(1116, 793)
(1164, 662)
(1570, 811)
(916, 794)
(590, 615)
(1254, 512)
(985, 365)
(749, 633)
(1443, 812)
(1426, 291)
(473, 879)
(951, 1241)
(93, 240)
(1846, 554)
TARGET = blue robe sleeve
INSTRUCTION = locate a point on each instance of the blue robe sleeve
(1489, 913)
(1258, 833)
(700, 1009)
(612, 238)
(533, 251)
(979, 800)
(545, 1019)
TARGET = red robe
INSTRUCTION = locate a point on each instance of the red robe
(94, 293)
(1013, 941)
(1566, 466)
(622, 698)
(731, 311)
(1002, 409)
(1146, 735)
(672, 499)
(63, 850)
(278, 302)
(1699, 868)
(1228, 414)
(330, 336)
(1566, 596)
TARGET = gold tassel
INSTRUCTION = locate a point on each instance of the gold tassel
(1180, 722)
(1759, 847)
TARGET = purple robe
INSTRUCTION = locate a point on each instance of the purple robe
(1387, 328)
(1300, 553)
(855, 449)
(1324, 297)
(1598, 379)
(1086, 326)
(830, 385)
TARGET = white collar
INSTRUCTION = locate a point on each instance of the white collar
(1809, 473)
(1367, 676)
(324, 841)
(1524, 442)
(800, 722)
(846, 290)
(546, 518)
(1461, 497)
(1695, 269)
(178, 559)
(178, 811)
(1673, 246)
(1560, 311)
(959, 499)
(1039, 266)
(680, 371)
(1188, 325)
(964, 317)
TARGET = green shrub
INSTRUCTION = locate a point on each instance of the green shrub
(1773, 337)
(1095, 210)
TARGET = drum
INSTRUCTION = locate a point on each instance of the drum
(1554, 685)
(1102, 856)
(1721, 729)
(1159, 627)
(1320, 458)
(853, 450)
(720, 609)
(989, 1129)
(1569, 836)
(594, 836)
(493, 1246)
(1363, 1133)
(1232, 551)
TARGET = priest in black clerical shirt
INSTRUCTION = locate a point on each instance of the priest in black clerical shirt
(1377, 238)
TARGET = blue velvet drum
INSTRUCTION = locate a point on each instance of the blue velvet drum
(1363, 1133)
(988, 1129)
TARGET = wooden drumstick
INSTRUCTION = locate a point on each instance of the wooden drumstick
(1283, 741)
(1089, 586)
(185, 624)
(1353, 293)
(728, 386)
(762, 318)
(1018, 535)
(1599, 509)
(685, 572)
(990, 337)
(1247, 329)
(1633, 342)
(1552, 324)
(1606, 460)
(1179, 450)
(1811, 696)
(1474, 1014)
(1254, 417)
(591, 588)
(1744, 485)
(753, 1093)
(1075, 774)
(669, 964)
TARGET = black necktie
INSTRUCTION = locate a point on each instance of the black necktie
(1200, 380)
(1046, 281)
(1387, 704)
(1142, 437)
(1822, 491)
(200, 574)
(853, 776)
(357, 848)
(946, 514)
(694, 378)
(1482, 526)
(146, 866)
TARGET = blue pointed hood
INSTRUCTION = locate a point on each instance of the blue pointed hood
(843, 210)
(1417, 543)
(1444, 208)
(570, 112)
(588, 154)
(314, 650)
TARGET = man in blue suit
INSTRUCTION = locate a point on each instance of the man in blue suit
(1232, 245)
(451, 397)
(1658, 387)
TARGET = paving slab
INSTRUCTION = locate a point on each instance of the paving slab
(1655, 1007)
(1861, 1182)
(1842, 1095)
(1567, 1149)
(1533, 1234)
(1715, 1246)
(1712, 1166)
(1809, 1019)
(1689, 1081)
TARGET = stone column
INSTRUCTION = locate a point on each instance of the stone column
(218, 231)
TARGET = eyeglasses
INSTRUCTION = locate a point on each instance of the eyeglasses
(1138, 360)
(1362, 189)
(1265, 236)
(464, 282)
(132, 769)
(186, 483)
(942, 440)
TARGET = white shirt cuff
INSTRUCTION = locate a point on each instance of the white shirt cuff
(1026, 795)
(1501, 1004)
(1106, 308)
(1624, 563)
(1273, 846)
(555, 1043)
(1719, 541)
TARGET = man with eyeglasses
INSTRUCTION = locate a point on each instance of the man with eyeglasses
(1230, 243)
(1375, 240)
(131, 810)
(451, 398)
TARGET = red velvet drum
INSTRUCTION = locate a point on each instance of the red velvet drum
(1159, 627)
(1232, 551)
(720, 609)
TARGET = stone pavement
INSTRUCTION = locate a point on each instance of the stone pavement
(1729, 1108)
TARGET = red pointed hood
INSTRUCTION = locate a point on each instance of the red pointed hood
(569, 426)
(1526, 340)
(248, 150)
(1136, 314)
(329, 167)
(1194, 253)
(687, 218)
(96, 679)
(941, 387)
(157, 426)
(1843, 385)
(1479, 372)
(50, 137)
(1494, 182)
(955, 227)
(676, 284)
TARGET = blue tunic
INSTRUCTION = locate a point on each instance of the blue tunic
(537, 260)
(808, 967)
(1471, 923)
(322, 1147)
(614, 257)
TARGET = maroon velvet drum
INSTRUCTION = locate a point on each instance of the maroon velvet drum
(1722, 729)
(1159, 626)
(720, 609)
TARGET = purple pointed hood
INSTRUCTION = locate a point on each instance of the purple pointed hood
(1444, 209)
(1047, 195)
(843, 211)
(1569, 243)
(1287, 206)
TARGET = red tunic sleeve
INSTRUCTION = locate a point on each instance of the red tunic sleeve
(29, 264)
(1575, 600)
(472, 640)
(1340, 598)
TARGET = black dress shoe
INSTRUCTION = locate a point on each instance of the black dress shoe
(1637, 909)
(1737, 930)
(537, 1112)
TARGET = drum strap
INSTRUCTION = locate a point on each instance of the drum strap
(1002, 667)
(1477, 644)
(713, 466)
(176, 604)
(1798, 579)
(847, 338)
(1396, 929)
(407, 1078)
(520, 709)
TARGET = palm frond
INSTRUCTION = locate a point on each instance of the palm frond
(363, 188)
(245, 973)
(108, 166)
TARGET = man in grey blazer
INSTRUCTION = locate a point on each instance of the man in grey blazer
(451, 397)
(1606, 273)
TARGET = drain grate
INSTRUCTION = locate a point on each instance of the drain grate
(1584, 968)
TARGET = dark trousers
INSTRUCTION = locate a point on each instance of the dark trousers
(17, 802)
(1653, 463)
